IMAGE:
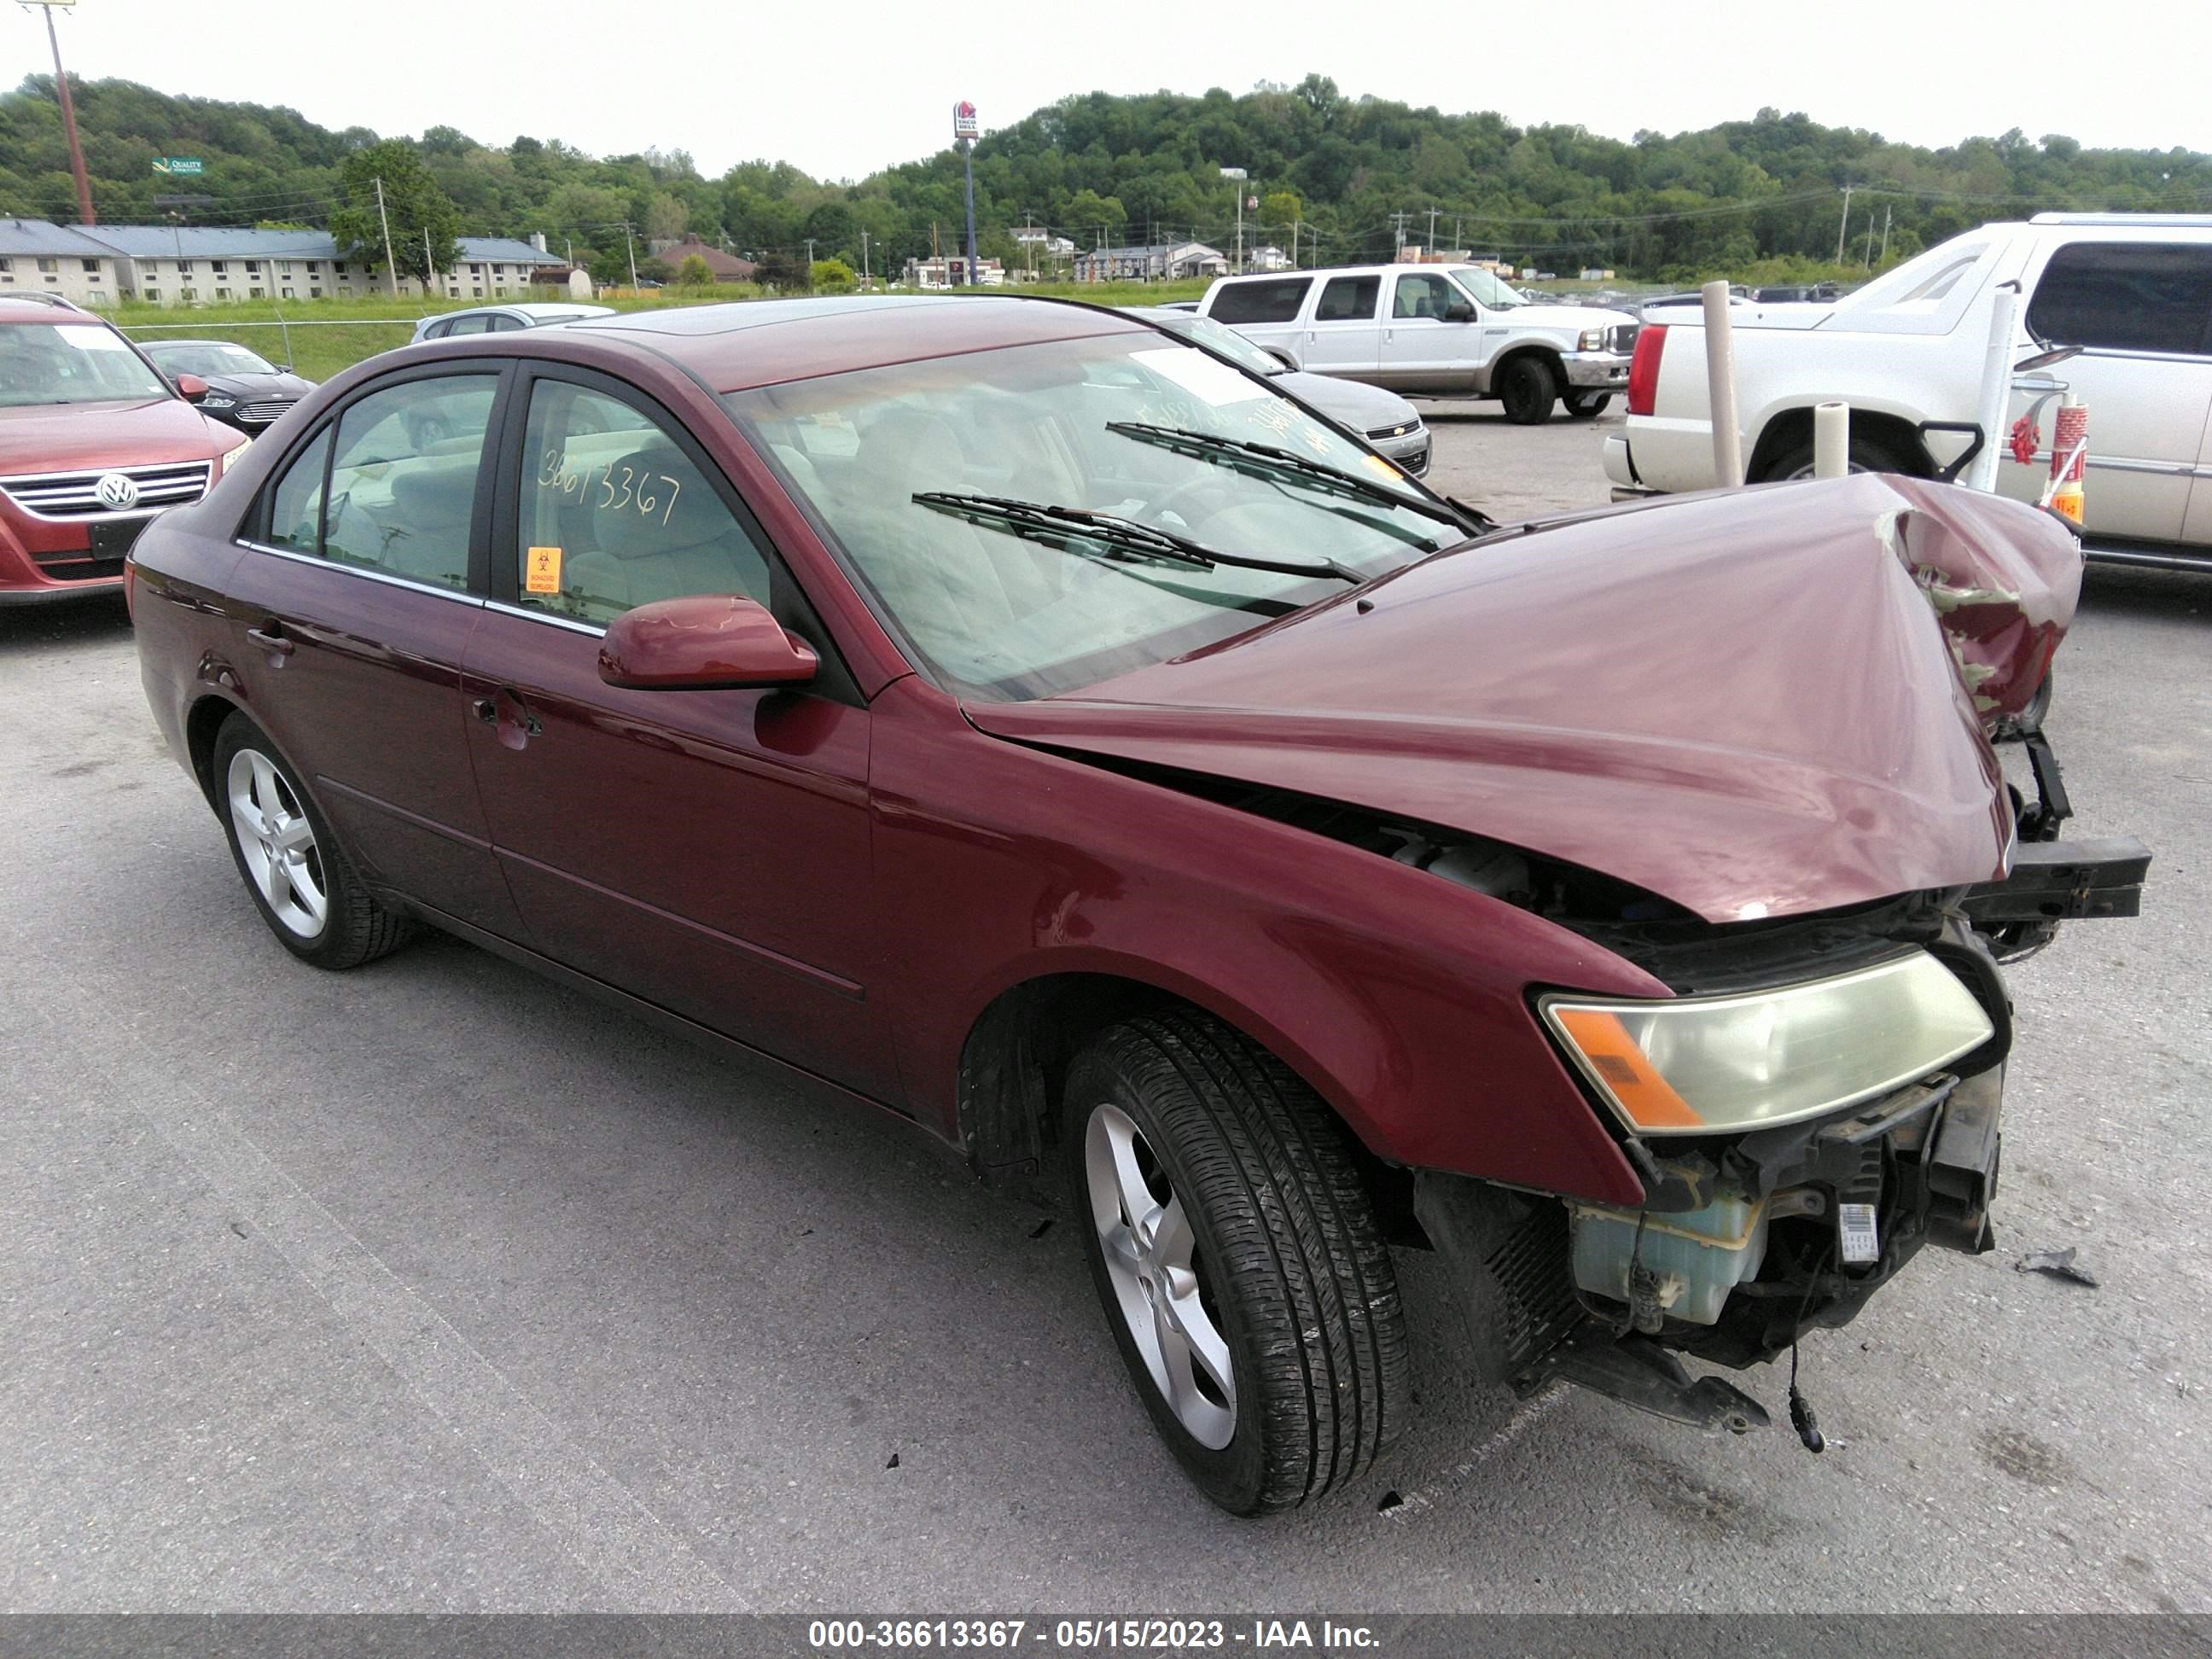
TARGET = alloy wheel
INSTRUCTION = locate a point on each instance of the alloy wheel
(1160, 1278)
(277, 844)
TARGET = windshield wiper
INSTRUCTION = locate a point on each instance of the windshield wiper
(1266, 459)
(1059, 526)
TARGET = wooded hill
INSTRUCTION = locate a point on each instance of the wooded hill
(1347, 171)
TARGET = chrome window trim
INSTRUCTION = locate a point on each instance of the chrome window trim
(369, 571)
(573, 624)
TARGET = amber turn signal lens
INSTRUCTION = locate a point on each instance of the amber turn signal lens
(1650, 1100)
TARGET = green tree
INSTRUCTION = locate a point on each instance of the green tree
(422, 218)
(835, 276)
(694, 272)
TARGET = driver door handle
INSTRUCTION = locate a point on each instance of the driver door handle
(487, 710)
(272, 639)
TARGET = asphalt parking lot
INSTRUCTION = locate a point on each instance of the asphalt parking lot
(432, 1286)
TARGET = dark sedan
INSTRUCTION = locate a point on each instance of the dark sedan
(245, 389)
(1001, 713)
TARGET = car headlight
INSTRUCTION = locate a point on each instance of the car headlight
(1726, 1064)
(230, 457)
(1593, 339)
(218, 400)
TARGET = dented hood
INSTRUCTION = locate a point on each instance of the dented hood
(1753, 704)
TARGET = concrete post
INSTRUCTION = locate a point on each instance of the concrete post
(1831, 440)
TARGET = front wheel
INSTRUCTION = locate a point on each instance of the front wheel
(1238, 1259)
(1588, 405)
(1527, 389)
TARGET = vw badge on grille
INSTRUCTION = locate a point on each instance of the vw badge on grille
(116, 492)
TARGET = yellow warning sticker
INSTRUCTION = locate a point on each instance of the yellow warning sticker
(541, 574)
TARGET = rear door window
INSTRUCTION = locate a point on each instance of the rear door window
(295, 506)
(1275, 302)
(1348, 299)
(2126, 296)
(403, 479)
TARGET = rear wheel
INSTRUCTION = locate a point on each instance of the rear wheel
(1867, 455)
(1238, 1258)
(301, 880)
(1588, 405)
(1527, 389)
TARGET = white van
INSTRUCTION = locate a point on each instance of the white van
(1433, 330)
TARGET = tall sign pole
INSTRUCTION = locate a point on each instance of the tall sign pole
(1239, 175)
(68, 114)
(966, 128)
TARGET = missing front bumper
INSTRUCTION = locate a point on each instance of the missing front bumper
(1924, 1158)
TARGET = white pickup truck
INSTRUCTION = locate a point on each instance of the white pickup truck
(2133, 291)
(1433, 330)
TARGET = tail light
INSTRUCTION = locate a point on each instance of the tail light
(1643, 369)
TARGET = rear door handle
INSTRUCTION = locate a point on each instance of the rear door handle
(272, 639)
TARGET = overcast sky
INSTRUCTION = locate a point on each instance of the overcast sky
(842, 86)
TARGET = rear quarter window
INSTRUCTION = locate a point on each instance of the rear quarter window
(1261, 302)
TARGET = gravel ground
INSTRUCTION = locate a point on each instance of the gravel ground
(436, 1287)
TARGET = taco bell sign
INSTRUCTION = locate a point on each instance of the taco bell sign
(964, 124)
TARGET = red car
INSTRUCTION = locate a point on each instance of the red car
(93, 443)
(1012, 717)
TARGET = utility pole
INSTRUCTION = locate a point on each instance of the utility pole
(864, 258)
(809, 261)
(391, 271)
(1884, 235)
(1846, 225)
(429, 261)
(629, 240)
(1295, 224)
(1237, 176)
(1433, 213)
(1459, 240)
(1398, 234)
(69, 119)
(1869, 263)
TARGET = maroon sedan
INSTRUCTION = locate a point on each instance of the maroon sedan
(1038, 727)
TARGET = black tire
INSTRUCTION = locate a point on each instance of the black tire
(1301, 1287)
(2013, 727)
(1527, 388)
(354, 928)
(1867, 455)
(1588, 405)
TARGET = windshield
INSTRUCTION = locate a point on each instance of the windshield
(1485, 286)
(995, 614)
(71, 363)
(207, 359)
(1216, 337)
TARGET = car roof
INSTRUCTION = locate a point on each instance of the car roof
(28, 308)
(155, 345)
(753, 343)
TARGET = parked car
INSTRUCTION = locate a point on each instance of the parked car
(1436, 331)
(244, 388)
(2133, 291)
(505, 320)
(1392, 426)
(1061, 740)
(93, 443)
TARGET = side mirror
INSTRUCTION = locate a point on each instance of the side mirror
(191, 388)
(1459, 311)
(2045, 358)
(709, 642)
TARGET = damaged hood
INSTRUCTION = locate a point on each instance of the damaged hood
(1756, 703)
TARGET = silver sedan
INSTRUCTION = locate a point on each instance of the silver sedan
(1392, 426)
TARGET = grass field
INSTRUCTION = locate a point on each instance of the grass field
(320, 337)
